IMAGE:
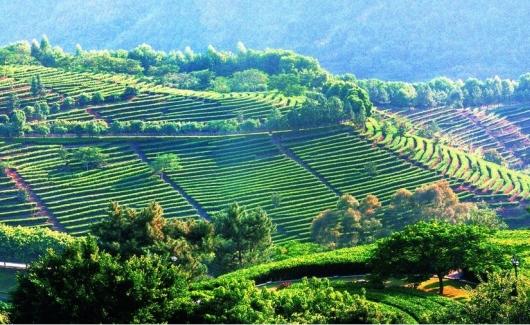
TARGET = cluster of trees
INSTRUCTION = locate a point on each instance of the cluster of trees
(14, 123)
(244, 70)
(446, 92)
(336, 102)
(235, 238)
(438, 201)
(141, 268)
(87, 285)
(353, 223)
(87, 157)
(349, 224)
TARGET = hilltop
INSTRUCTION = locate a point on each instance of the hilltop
(397, 40)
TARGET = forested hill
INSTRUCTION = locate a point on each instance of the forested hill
(405, 40)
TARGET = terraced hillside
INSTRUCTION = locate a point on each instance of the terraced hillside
(518, 114)
(168, 107)
(76, 198)
(293, 175)
(62, 82)
(474, 129)
(15, 206)
(467, 168)
(249, 170)
(155, 103)
(352, 164)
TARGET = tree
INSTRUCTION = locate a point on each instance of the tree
(129, 92)
(423, 249)
(84, 99)
(85, 285)
(349, 224)
(287, 84)
(494, 156)
(435, 201)
(17, 122)
(493, 302)
(249, 80)
(244, 236)
(13, 102)
(89, 157)
(68, 103)
(36, 86)
(97, 98)
(166, 162)
(42, 110)
(129, 232)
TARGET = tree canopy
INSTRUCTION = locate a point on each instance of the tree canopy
(428, 248)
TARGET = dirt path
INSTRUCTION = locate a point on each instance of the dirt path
(200, 210)
(291, 155)
(42, 210)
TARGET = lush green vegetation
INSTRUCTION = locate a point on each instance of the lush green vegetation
(24, 244)
(252, 156)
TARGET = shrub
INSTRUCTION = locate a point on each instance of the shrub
(21, 244)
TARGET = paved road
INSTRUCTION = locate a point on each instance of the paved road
(11, 265)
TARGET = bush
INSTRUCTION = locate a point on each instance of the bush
(24, 245)
(84, 99)
(345, 261)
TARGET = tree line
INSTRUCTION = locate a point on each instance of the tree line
(443, 91)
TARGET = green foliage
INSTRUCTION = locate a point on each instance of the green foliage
(346, 261)
(249, 80)
(129, 92)
(244, 237)
(84, 99)
(166, 162)
(444, 92)
(493, 302)
(23, 244)
(88, 157)
(316, 301)
(128, 232)
(68, 103)
(97, 98)
(294, 249)
(494, 156)
(84, 285)
(36, 86)
(287, 84)
(17, 122)
(423, 249)
(310, 301)
(351, 223)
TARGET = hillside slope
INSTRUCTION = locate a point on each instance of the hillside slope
(407, 40)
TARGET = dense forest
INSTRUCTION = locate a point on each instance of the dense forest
(405, 40)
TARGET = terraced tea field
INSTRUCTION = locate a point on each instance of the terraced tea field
(467, 168)
(166, 107)
(293, 175)
(76, 198)
(517, 114)
(474, 129)
(249, 170)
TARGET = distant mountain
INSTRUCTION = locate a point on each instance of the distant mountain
(407, 39)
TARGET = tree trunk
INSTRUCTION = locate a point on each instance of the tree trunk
(441, 284)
